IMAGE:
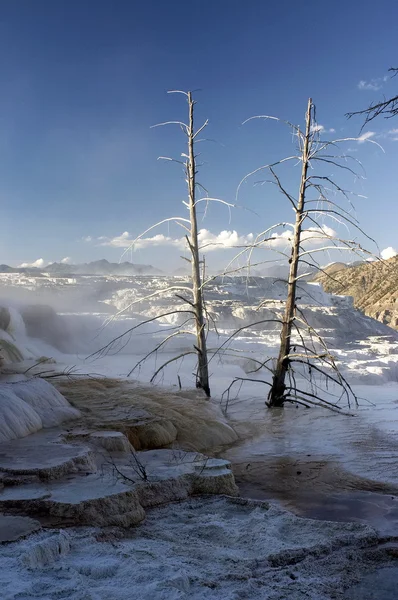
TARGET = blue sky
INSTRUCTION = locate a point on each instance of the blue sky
(82, 82)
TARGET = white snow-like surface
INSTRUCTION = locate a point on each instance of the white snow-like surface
(46, 401)
(17, 418)
(214, 549)
(85, 304)
(43, 550)
(28, 406)
(365, 349)
(204, 549)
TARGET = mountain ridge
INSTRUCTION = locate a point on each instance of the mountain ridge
(97, 267)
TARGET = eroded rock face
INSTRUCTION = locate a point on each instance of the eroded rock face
(109, 441)
(150, 417)
(373, 286)
(119, 492)
(150, 433)
(41, 456)
(29, 405)
(83, 475)
(52, 408)
(17, 419)
(79, 501)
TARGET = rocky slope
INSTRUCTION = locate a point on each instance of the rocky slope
(374, 287)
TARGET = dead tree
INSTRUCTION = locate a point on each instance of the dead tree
(300, 344)
(387, 107)
(195, 309)
(278, 389)
(202, 380)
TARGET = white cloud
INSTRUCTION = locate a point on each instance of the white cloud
(66, 260)
(87, 238)
(317, 128)
(365, 136)
(393, 134)
(37, 263)
(321, 129)
(225, 239)
(389, 252)
(209, 241)
(390, 135)
(313, 236)
(373, 85)
(125, 240)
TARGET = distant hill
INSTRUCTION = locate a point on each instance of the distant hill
(101, 267)
(334, 267)
(373, 285)
(25, 270)
(7, 269)
(98, 267)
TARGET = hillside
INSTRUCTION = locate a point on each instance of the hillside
(373, 285)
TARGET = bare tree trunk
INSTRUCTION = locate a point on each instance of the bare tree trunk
(202, 380)
(276, 396)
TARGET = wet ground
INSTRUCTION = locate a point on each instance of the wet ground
(378, 510)
(382, 585)
(328, 467)
(321, 465)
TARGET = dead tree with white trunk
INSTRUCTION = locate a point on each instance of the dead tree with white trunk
(202, 380)
(191, 295)
(303, 352)
(278, 389)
